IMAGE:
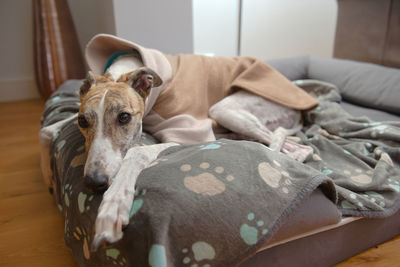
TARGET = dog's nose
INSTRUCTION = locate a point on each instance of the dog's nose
(96, 183)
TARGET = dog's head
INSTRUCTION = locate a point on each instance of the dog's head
(110, 118)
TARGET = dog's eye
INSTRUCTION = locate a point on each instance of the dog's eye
(124, 118)
(83, 123)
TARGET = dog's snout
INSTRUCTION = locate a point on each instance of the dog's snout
(96, 183)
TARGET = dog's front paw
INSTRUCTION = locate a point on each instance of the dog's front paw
(112, 215)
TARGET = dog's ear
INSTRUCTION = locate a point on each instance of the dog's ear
(87, 83)
(142, 80)
(92, 79)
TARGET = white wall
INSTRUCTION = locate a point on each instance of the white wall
(17, 77)
(285, 28)
(92, 17)
(160, 24)
(215, 27)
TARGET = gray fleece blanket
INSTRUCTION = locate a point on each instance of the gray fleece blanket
(216, 204)
(361, 156)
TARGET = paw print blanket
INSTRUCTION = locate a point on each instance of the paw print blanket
(196, 201)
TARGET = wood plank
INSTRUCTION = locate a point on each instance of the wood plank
(34, 230)
(31, 227)
(384, 255)
(18, 185)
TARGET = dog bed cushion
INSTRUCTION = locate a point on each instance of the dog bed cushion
(172, 213)
(177, 219)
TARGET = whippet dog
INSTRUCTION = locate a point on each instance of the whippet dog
(110, 118)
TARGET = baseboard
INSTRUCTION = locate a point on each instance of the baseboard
(18, 89)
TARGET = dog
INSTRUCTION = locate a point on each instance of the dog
(114, 107)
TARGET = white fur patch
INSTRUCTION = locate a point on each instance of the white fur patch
(102, 158)
(124, 64)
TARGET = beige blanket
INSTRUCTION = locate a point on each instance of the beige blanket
(198, 82)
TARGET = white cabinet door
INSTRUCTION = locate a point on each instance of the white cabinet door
(215, 27)
(285, 28)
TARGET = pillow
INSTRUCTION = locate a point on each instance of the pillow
(360, 83)
(365, 84)
(294, 68)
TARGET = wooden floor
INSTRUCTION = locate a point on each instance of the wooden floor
(31, 227)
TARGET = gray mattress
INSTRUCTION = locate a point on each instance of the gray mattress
(329, 247)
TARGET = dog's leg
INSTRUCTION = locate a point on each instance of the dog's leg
(242, 122)
(114, 209)
(247, 114)
(282, 141)
(280, 135)
(46, 136)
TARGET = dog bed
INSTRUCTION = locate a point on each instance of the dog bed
(230, 202)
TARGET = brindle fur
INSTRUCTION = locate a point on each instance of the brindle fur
(126, 95)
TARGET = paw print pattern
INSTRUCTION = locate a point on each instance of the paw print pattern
(250, 234)
(379, 130)
(79, 159)
(81, 235)
(375, 198)
(60, 208)
(214, 145)
(347, 205)
(395, 185)
(83, 202)
(316, 157)
(325, 133)
(207, 182)
(137, 203)
(354, 203)
(273, 177)
(359, 176)
(59, 146)
(157, 256)
(67, 191)
(201, 251)
(66, 227)
(326, 171)
(115, 255)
